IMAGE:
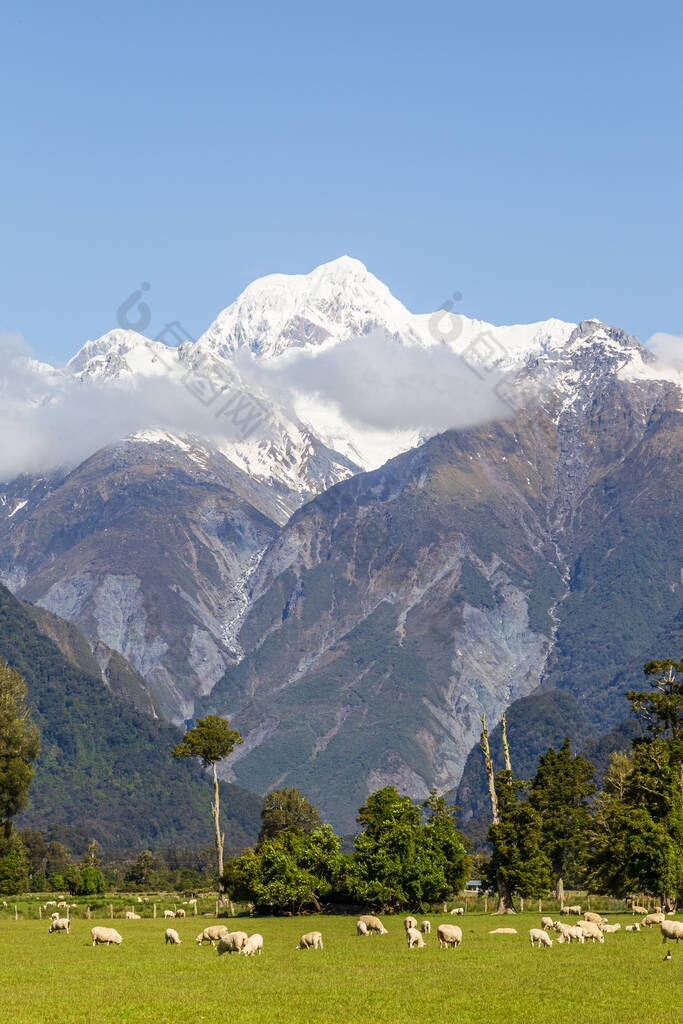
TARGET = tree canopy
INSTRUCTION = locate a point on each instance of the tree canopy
(210, 740)
(19, 746)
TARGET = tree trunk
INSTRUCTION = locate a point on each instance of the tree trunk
(220, 837)
(506, 749)
(505, 905)
(560, 891)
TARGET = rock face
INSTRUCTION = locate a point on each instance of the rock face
(355, 625)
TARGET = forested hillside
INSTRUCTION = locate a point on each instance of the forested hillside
(105, 768)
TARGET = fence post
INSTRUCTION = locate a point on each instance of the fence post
(521, 904)
(16, 915)
(232, 909)
(486, 904)
(111, 911)
(87, 914)
(40, 913)
(216, 908)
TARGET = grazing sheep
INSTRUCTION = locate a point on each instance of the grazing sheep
(503, 931)
(569, 932)
(414, 938)
(564, 910)
(410, 922)
(311, 940)
(180, 913)
(426, 927)
(105, 935)
(62, 903)
(632, 927)
(636, 909)
(131, 916)
(609, 928)
(373, 924)
(458, 910)
(169, 913)
(53, 917)
(576, 909)
(171, 935)
(546, 922)
(361, 928)
(653, 919)
(449, 935)
(254, 944)
(49, 903)
(60, 924)
(537, 935)
(671, 930)
(595, 918)
(214, 933)
(232, 942)
(591, 930)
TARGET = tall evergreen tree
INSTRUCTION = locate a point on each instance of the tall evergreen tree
(560, 791)
(287, 810)
(518, 862)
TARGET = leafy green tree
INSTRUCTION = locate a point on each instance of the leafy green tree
(289, 872)
(211, 740)
(14, 866)
(399, 862)
(287, 810)
(19, 746)
(637, 831)
(560, 791)
(436, 807)
(143, 872)
(518, 862)
(91, 857)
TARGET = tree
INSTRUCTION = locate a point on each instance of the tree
(143, 873)
(436, 807)
(287, 810)
(14, 866)
(19, 746)
(288, 872)
(518, 863)
(637, 832)
(91, 857)
(211, 740)
(399, 862)
(505, 904)
(559, 792)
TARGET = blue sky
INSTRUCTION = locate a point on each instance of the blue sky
(527, 156)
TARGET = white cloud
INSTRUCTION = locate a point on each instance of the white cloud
(668, 348)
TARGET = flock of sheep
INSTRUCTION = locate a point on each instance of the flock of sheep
(591, 926)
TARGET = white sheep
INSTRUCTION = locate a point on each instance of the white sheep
(373, 924)
(591, 930)
(254, 944)
(671, 930)
(636, 909)
(569, 932)
(361, 928)
(213, 933)
(449, 935)
(609, 928)
(232, 942)
(632, 927)
(564, 910)
(538, 936)
(503, 931)
(576, 909)
(653, 919)
(60, 924)
(410, 922)
(62, 903)
(546, 922)
(102, 935)
(458, 910)
(311, 940)
(180, 913)
(595, 918)
(132, 916)
(169, 913)
(414, 938)
(426, 927)
(54, 916)
(171, 935)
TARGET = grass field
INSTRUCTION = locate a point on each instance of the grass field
(489, 979)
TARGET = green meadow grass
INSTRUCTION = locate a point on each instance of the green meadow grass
(489, 979)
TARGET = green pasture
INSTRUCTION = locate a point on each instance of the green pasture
(489, 979)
